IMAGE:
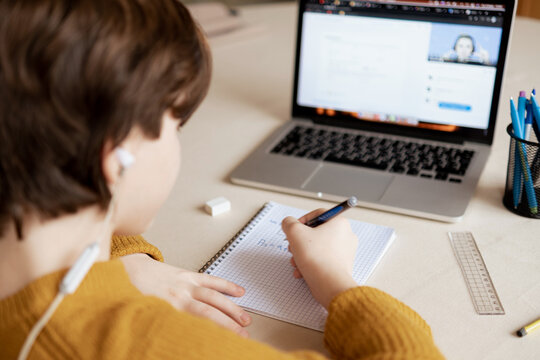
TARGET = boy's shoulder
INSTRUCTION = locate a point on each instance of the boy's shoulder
(106, 317)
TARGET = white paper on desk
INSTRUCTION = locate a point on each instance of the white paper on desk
(259, 261)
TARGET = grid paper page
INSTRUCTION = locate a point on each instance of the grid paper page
(259, 261)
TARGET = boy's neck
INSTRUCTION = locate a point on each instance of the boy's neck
(48, 246)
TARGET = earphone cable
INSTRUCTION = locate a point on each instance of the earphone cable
(40, 324)
(36, 329)
(69, 284)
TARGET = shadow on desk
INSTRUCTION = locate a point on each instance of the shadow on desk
(491, 195)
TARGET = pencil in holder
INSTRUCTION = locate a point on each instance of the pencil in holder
(522, 190)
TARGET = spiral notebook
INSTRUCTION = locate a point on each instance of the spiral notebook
(257, 258)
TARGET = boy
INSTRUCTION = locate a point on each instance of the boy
(91, 95)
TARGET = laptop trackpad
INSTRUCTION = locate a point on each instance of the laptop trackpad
(344, 181)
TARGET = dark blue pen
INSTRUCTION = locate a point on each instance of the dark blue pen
(336, 210)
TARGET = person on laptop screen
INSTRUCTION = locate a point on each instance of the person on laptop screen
(465, 51)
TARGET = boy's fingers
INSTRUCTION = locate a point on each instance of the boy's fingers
(293, 263)
(288, 223)
(223, 304)
(209, 312)
(311, 215)
(223, 286)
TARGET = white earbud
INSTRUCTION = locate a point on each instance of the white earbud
(125, 158)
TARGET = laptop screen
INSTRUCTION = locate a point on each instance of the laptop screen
(434, 65)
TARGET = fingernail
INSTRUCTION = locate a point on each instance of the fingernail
(245, 319)
(244, 333)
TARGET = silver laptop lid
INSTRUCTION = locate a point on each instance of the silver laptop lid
(417, 67)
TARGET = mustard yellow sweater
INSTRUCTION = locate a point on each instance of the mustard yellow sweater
(108, 318)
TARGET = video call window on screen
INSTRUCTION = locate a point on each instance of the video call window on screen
(466, 44)
(436, 61)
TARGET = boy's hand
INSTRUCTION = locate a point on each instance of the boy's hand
(199, 294)
(323, 256)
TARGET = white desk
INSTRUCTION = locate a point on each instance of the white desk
(250, 96)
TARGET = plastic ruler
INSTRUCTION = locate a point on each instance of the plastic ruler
(483, 293)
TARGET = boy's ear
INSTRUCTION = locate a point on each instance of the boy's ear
(110, 165)
(115, 162)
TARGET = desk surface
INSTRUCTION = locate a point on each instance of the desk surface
(250, 96)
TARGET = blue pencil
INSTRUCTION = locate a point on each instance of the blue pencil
(522, 102)
(532, 106)
(535, 125)
(516, 123)
(529, 188)
(530, 119)
(516, 186)
(536, 112)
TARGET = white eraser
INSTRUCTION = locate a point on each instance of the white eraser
(217, 206)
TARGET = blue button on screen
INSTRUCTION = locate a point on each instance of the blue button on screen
(454, 106)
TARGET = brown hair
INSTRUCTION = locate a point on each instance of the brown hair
(75, 74)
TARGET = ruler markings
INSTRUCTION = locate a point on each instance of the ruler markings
(474, 270)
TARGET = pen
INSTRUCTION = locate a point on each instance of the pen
(528, 328)
(526, 119)
(336, 210)
(516, 187)
(516, 122)
(535, 119)
(536, 111)
(535, 124)
(529, 188)
(522, 101)
(529, 122)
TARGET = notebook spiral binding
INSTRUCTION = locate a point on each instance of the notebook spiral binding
(236, 238)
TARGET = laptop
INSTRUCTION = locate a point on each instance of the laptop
(394, 102)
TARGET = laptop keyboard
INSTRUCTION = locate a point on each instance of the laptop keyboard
(384, 154)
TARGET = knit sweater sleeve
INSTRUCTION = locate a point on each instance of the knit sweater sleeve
(108, 318)
(366, 323)
(122, 245)
(363, 323)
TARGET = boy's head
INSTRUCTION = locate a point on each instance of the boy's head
(79, 78)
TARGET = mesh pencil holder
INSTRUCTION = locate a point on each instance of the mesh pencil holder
(522, 191)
